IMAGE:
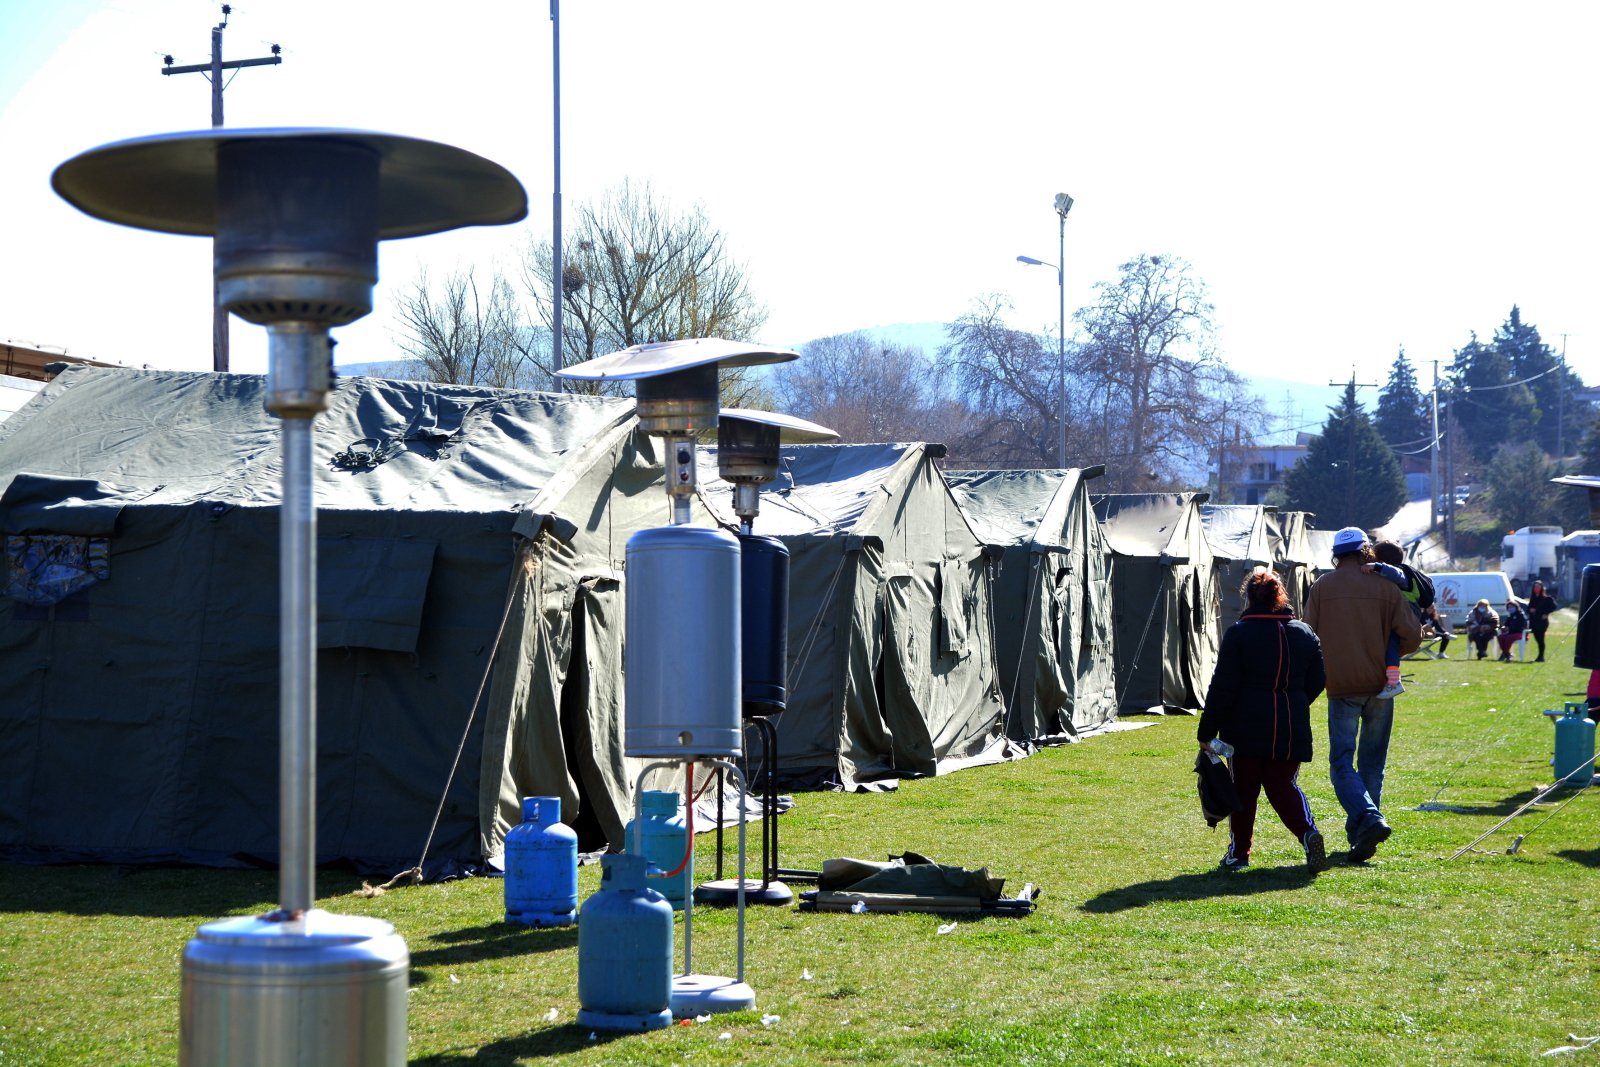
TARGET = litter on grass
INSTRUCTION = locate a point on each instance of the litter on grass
(1582, 1043)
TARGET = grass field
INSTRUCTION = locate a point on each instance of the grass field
(1140, 952)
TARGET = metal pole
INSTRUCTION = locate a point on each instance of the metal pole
(219, 314)
(558, 290)
(297, 629)
(1433, 473)
(1061, 345)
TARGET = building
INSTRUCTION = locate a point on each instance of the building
(1245, 473)
(24, 370)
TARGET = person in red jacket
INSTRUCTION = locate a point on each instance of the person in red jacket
(1269, 670)
(1353, 613)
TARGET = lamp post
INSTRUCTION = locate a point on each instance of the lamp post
(1063, 205)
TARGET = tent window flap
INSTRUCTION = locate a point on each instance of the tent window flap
(371, 591)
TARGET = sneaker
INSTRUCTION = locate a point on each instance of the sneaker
(1391, 691)
(1366, 845)
(1441, 655)
(1316, 851)
(1233, 863)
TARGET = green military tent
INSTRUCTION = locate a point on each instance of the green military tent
(1240, 540)
(1165, 599)
(1319, 543)
(1292, 554)
(891, 666)
(139, 630)
(1050, 598)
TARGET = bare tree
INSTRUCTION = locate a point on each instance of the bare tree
(634, 271)
(1157, 390)
(471, 334)
(1009, 384)
(862, 389)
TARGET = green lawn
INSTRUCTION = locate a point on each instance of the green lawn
(1140, 951)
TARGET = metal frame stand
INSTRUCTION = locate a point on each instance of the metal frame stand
(703, 994)
(722, 891)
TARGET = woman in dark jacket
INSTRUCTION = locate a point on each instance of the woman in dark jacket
(1269, 670)
(1541, 605)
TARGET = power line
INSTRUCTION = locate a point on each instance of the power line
(213, 72)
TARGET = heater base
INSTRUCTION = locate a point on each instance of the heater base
(708, 994)
(541, 918)
(724, 893)
(610, 1020)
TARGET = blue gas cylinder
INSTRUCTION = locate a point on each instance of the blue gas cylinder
(1574, 747)
(625, 950)
(541, 866)
(662, 840)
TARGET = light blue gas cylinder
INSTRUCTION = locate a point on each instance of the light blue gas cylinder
(625, 950)
(663, 836)
(541, 866)
(1574, 747)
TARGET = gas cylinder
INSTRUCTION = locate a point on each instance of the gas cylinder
(625, 950)
(764, 619)
(1574, 747)
(662, 839)
(541, 866)
(682, 635)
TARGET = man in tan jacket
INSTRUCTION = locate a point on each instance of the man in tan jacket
(1354, 613)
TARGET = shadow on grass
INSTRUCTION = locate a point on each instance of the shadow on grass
(507, 1052)
(1589, 857)
(491, 941)
(1200, 886)
(155, 892)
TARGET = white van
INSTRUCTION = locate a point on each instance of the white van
(1457, 593)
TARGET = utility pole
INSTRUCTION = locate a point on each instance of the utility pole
(213, 70)
(1561, 411)
(1433, 457)
(1350, 441)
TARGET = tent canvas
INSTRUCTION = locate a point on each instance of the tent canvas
(1050, 596)
(1165, 600)
(1319, 543)
(1292, 554)
(891, 669)
(140, 714)
(1240, 539)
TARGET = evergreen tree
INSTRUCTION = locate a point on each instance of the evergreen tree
(1348, 476)
(1493, 406)
(1404, 417)
(1519, 489)
(1551, 385)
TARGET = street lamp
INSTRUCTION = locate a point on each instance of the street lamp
(1063, 205)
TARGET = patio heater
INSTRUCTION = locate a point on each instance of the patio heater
(747, 457)
(682, 685)
(296, 215)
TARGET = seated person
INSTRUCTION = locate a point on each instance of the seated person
(1512, 627)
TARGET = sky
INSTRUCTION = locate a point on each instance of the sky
(1348, 179)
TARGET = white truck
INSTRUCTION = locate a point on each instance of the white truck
(1528, 554)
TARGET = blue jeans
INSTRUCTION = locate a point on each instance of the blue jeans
(1358, 748)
